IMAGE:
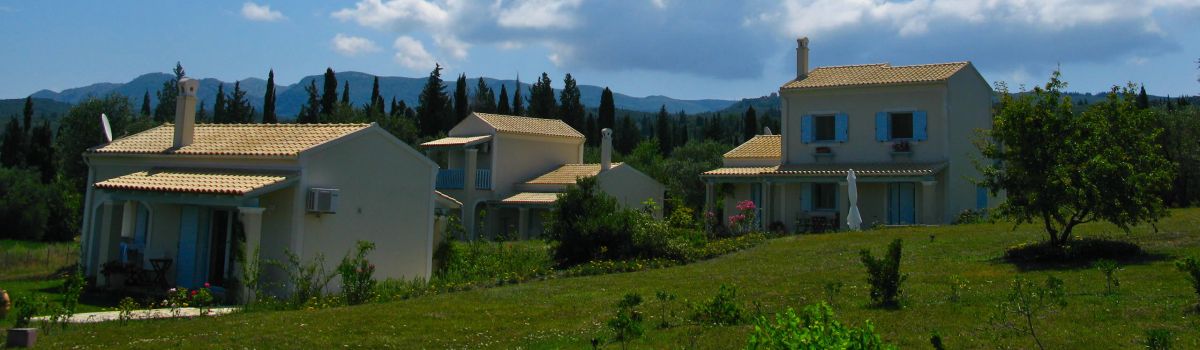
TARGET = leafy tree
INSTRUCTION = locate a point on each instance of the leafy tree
(239, 109)
(165, 111)
(541, 99)
(687, 162)
(662, 129)
(40, 151)
(571, 108)
(12, 151)
(607, 110)
(220, 107)
(80, 129)
(146, 105)
(1181, 129)
(485, 99)
(433, 107)
(1065, 168)
(462, 107)
(750, 128)
(23, 210)
(626, 136)
(310, 112)
(517, 103)
(503, 108)
(329, 93)
(268, 113)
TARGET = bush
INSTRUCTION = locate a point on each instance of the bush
(358, 285)
(1191, 266)
(125, 309)
(401, 289)
(1077, 251)
(494, 263)
(627, 323)
(722, 309)
(23, 204)
(1109, 268)
(815, 328)
(306, 279)
(25, 309)
(883, 274)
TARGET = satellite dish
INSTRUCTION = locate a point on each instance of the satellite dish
(107, 128)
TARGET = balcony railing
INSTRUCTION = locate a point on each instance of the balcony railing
(453, 179)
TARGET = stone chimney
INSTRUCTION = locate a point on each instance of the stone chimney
(606, 149)
(185, 112)
(802, 58)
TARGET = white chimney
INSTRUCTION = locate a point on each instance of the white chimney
(767, 130)
(185, 112)
(801, 58)
(606, 149)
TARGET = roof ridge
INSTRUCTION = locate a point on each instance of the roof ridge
(885, 64)
(519, 117)
(274, 124)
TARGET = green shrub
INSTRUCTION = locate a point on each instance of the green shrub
(627, 323)
(358, 285)
(1027, 302)
(1191, 267)
(1158, 339)
(832, 291)
(664, 300)
(125, 309)
(402, 289)
(883, 274)
(815, 328)
(482, 263)
(1109, 268)
(722, 309)
(25, 308)
(307, 280)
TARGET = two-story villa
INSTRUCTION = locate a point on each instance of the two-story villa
(508, 170)
(907, 132)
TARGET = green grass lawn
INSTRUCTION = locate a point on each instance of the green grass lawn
(780, 273)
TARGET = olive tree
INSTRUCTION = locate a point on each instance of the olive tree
(1061, 168)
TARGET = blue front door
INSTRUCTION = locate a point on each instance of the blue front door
(902, 203)
(189, 245)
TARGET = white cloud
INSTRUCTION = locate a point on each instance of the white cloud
(396, 14)
(353, 45)
(452, 45)
(660, 4)
(411, 54)
(263, 13)
(539, 14)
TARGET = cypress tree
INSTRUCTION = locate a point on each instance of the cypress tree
(750, 126)
(146, 104)
(310, 112)
(607, 110)
(329, 94)
(462, 106)
(269, 100)
(238, 107)
(219, 108)
(27, 112)
(681, 125)
(570, 106)
(592, 132)
(12, 153)
(541, 99)
(517, 106)
(375, 108)
(662, 129)
(346, 93)
(165, 111)
(1143, 101)
(40, 153)
(627, 135)
(433, 104)
(503, 108)
(485, 98)
(393, 108)
(202, 115)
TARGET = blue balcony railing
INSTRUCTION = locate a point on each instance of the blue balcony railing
(453, 179)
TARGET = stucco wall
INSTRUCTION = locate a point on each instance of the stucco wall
(520, 158)
(631, 187)
(970, 110)
(385, 196)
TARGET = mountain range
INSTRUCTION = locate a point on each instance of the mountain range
(291, 97)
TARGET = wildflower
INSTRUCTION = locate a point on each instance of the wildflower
(745, 205)
(206, 285)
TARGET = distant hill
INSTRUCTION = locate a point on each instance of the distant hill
(42, 109)
(291, 97)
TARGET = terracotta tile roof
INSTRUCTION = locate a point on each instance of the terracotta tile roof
(286, 140)
(531, 198)
(875, 74)
(739, 171)
(529, 126)
(456, 141)
(226, 182)
(760, 146)
(567, 174)
(832, 170)
(449, 201)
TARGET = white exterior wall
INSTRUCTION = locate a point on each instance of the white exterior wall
(631, 187)
(520, 158)
(387, 200)
(970, 107)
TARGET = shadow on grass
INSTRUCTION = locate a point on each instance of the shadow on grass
(1077, 254)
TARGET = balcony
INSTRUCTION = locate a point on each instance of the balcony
(453, 179)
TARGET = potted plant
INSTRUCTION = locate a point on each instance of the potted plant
(21, 335)
(901, 147)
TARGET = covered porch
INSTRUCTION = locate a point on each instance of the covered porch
(178, 227)
(813, 197)
(520, 215)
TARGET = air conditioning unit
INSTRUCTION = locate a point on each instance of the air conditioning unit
(322, 200)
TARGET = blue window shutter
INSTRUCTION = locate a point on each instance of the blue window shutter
(806, 196)
(840, 124)
(806, 128)
(881, 127)
(981, 197)
(919, 124)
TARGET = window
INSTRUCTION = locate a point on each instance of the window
(824, 196)
(825, 128)
(902, 125)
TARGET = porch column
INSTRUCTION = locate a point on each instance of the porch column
(104, 240)
(252, 227)
(128, 218)
(929, 215)
(843, 203)
(523, 223)
(469, 165)
(782, 205)
(765, 221)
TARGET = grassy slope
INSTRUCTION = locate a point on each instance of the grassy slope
(780, 273)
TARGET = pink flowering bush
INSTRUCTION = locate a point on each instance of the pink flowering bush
(358, 285)
(744, 220)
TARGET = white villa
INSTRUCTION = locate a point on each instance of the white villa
(906, 131)
(511, 169)
(175, 198)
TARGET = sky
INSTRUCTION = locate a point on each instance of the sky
(689, 49)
